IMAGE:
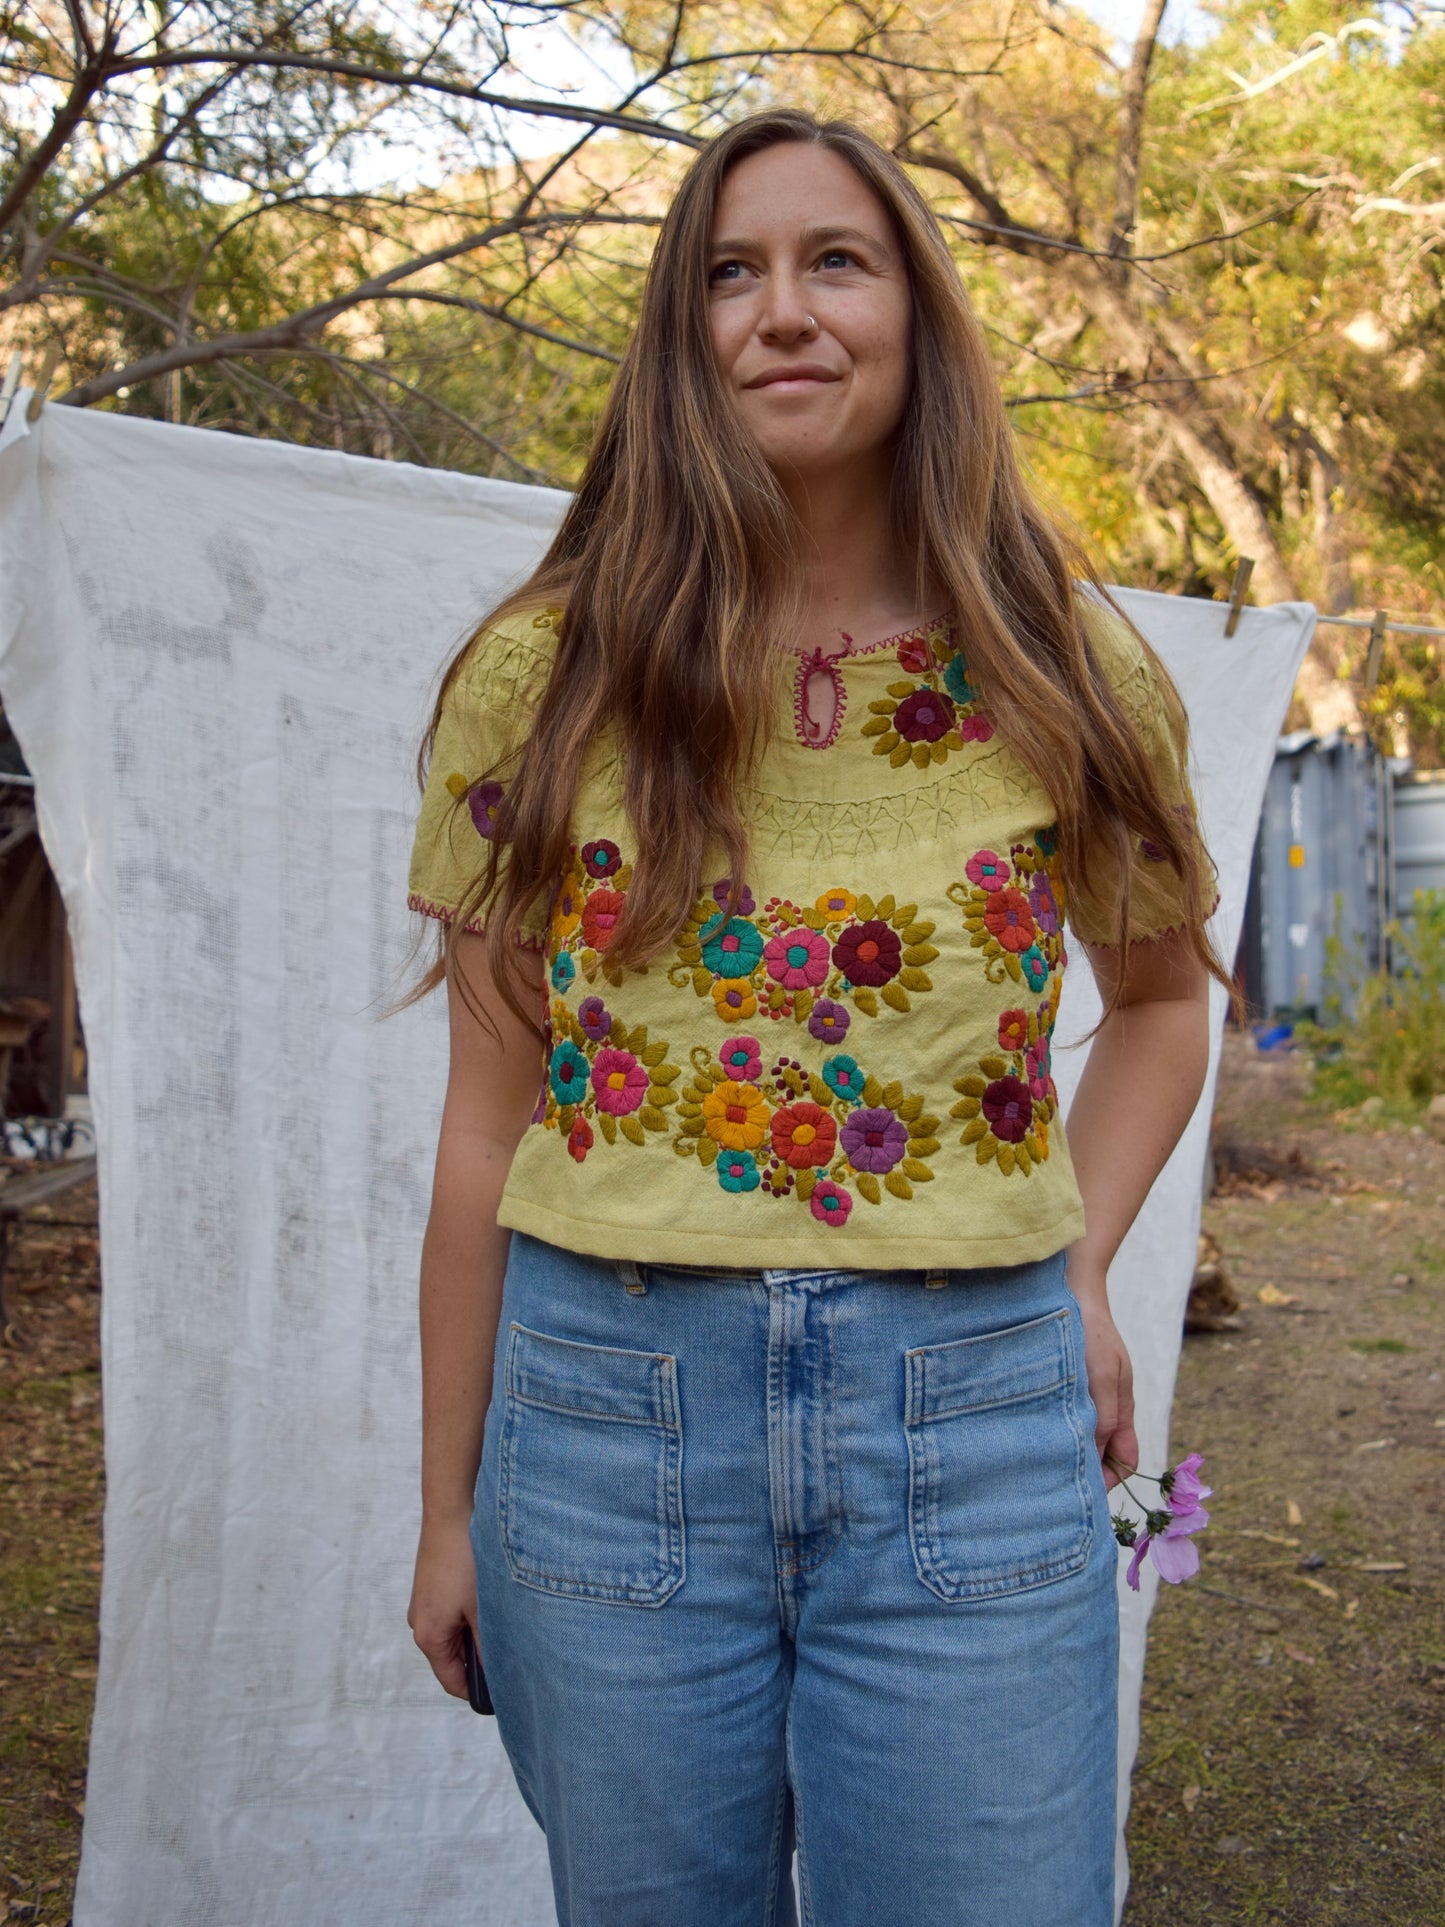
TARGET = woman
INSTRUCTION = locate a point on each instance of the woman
(767, 1352)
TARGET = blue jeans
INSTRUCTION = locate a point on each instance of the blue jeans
(824, 1557)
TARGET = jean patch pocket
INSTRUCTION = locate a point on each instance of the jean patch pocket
(590, 1470)
(998, 1493)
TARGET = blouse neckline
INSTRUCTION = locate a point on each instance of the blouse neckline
(812, 661)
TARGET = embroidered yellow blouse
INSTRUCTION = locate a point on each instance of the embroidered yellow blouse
(852, 1069)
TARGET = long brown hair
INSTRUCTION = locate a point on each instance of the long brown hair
(677, 564)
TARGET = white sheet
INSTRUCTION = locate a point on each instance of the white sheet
(217, 656)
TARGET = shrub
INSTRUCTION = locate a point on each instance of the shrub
(1392, 1046)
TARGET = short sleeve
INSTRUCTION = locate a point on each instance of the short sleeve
(1158, 897)
(482, 729)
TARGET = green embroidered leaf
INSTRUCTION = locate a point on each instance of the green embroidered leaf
(899, 754)
(805, 1184)
(693, 1126)
(893, 1094)
(872, 1093)
(898, 1185)
(632, 1129)
(707, 1151)
(607, 1124)
(665, 1073)
(576, 1032)
(654, 1053)
(920, 953)
(1006, 1159)
(565, 1115)
(818, 1089)
(895, 995)
(637, 1039)
(910, 1107)
(973, 1132)
(898, 690)
(925, 1126)
(652, 1119)
(913, 1169)
(816, 919)
(987, 1145)
(863, 908)
(885, 906)
(952, 740)
(1036, 1150)
(865, 1000)
(881, 706)
(612, 972)
(802, 1004)
(994, 1066)
(1022, 1158)
(886, 745)
(702, 981)
(688, 1105)
(659, 1095)
(1013, 966)
(868, 1187)
(902, 917)
(924, 1147)
(919, 929)
(966, 1107)
(912, 979)
(876, 725)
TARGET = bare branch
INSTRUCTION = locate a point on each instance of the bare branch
(1131, 131)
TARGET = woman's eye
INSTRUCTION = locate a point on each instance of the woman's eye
(836, 258)
(726, 271)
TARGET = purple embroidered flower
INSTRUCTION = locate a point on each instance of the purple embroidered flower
(601, 858)
(746, 902)
(595, 1019)
(869, 953)
(830, 1202)
(828, 1022)
(482, 801)
(1008, 1108)
(742, 1059)
(874, 1140)
(987, 871)
(924, 716)
(1043, 904)
(1151, 851)
(798, 959)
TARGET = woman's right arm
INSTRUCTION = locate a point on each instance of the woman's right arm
(491, 1092)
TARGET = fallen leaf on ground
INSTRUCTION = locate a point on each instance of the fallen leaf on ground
(1383, 1565)
(1352, 1606)
(1190, 1797)
(1274, 1538)
(1292, 1514)
(1272, 1295)
(1315, 1585)
(1293, 1652)
(1374, 1445)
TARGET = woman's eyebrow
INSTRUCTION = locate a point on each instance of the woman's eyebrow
(810, 237)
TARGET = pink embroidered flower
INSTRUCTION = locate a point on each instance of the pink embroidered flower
(913, 653)
(1013, 1030)
(1006, 915)
(619, 1081)
(482, 801)
(741, 1058)
(830, 1202)
(601, 858)
(976, 729)
(1037, 1068)
(599, 917)
(924, 716)
(595, 1019)
(1041, 903)
(797, 959)
(828, 1022)
(987, 871)
(579, 1139)
(869, 953)
(874, 1140)
(803, 1134)
(1008, 1108)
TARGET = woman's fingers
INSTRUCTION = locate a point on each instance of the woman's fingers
(443, 1601)
(442, 1647)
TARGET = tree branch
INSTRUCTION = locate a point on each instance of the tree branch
(1132, 103)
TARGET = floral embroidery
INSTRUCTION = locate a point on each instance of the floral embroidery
(822, 1139)
(921, 722)
(1013, 910)
(601, 859)
(482, 801)
(569, 1072)
(596, 1021)
(1007, 1104)
(742, 1057)
(619, 1081)
(579, 1139)
(563, 970)
(790, 962)
(599, 916)
(600, 1073)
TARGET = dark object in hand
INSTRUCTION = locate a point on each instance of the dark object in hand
(478, 1698)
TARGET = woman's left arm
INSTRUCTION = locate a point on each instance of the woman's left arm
(1145, 1070)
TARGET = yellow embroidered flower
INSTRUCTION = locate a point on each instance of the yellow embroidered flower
(734, 998)
(457, 783)
(736, 1115)
(567, 911)
(835, 903)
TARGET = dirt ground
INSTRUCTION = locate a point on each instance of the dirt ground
(1293, 1758)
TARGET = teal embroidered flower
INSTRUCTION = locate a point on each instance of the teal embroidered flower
(731, 946)
(563, 970)
(738, 1171)
(1047, 840)
(955, 681)
(569, 1073)
(1035, 967)
(844, 1078)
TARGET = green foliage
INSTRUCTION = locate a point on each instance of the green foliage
(1392, 1046)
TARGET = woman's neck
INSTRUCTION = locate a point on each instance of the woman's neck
(856, 581)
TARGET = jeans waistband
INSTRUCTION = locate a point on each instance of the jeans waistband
(637, 1275)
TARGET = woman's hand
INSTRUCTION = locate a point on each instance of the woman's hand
(1111, 1379)
(443, 1599)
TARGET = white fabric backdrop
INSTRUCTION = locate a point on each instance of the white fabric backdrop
(217, 654)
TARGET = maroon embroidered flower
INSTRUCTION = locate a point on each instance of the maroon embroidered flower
(1151, 851)
(1007, 917)
(803, 1134)
(595, 1019)
(868, 953)
(874, 1140)
(987, 870)
(579, 1139)
(830, 1202)
(482, 801)
(828, 1022)
(599, 917)
(601, 858)
(924, 716)
(1008, 1108)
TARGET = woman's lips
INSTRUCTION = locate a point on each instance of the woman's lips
(793, 379)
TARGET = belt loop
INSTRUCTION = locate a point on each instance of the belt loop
(935, 1280)
(631, 1275)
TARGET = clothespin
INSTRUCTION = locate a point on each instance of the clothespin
(42, 387)
(1243, 570)
(12, 382)
(1377, 649)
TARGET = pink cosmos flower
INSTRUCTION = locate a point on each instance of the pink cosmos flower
(1186, 1494)
(1176, 1557)
(797, 959)
(619, 1081)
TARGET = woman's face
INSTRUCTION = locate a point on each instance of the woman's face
(811, 310)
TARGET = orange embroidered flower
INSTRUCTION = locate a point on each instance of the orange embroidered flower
(735, 1116)
(733, 997)
(804, 1135)
(835, 903)
(567, 911)
(599, 916)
